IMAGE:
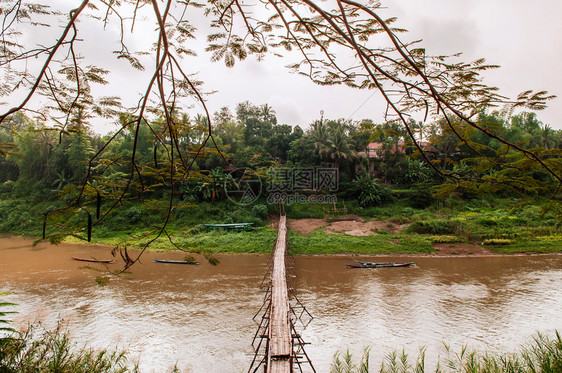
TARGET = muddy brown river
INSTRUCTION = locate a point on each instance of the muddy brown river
(200, 317)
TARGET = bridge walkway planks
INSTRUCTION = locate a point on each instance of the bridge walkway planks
(279, 357)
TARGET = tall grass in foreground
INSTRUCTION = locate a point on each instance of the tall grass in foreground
(543, 355)
(40, 350)
(37, 350)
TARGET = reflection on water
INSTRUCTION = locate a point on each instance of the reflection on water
(201, 316)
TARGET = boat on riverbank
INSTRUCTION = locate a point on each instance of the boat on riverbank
(108, 261)
(231, 227)
(168, 261)
(378, 265)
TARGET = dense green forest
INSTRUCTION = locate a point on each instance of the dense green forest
(65, 179)
(40, 161)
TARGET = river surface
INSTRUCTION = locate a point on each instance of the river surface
(200, 317)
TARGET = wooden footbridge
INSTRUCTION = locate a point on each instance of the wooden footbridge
(278, 346)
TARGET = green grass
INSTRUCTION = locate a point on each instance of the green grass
(262, 239)
(259, 241)
(434, 227)
(446, 239)
(308, 211)
(529, 246)
(321, 243)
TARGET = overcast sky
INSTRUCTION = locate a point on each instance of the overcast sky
(524, 38)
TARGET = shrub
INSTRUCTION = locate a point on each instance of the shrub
(446, 239)
(550, 238)
(134, 215)
(420, 197)
(371, 193)
(400, 219)
(487, 222)
(260, 211)
(497, 241)
(7, 188)
(435, 227)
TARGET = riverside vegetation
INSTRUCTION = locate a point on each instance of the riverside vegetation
(44, 173)
(502, 225)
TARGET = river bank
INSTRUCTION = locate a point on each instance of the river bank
(103, 251)
(353, 236)
(474, 227)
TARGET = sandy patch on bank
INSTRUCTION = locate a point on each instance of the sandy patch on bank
(357, 227)
(361, 228)
(305, 226)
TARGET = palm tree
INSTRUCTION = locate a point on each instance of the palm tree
(337, 145)
(199, 129)
(545, 136)
(418, 128)
(318, 134)
(266, 113)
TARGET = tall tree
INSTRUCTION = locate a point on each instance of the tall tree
(79, 153)
(337, 145)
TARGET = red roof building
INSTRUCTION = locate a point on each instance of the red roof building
(375, 149)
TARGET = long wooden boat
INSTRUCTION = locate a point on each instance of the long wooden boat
(231, 227)
(378, 265)
(109, 261)
(174, 261)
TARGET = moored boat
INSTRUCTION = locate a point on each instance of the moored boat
(174, 261)
(379, 265)
(92, 260)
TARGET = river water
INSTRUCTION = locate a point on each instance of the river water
(200, 317)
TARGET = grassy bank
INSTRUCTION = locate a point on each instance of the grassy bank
(322, 243)
(499, 225)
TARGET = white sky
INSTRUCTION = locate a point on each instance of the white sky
(524, 38)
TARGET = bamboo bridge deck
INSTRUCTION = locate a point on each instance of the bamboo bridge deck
(280, 341)
(283, 350)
